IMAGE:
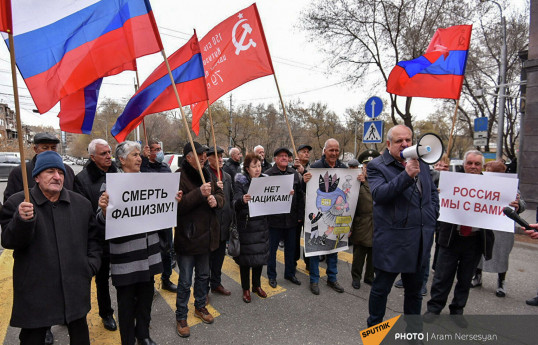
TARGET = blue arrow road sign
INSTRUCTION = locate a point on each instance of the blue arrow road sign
(372, 132)
(481, 124)
(373, 107)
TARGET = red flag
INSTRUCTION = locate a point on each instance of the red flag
(6, 25)
(439, 72)
(234, 52)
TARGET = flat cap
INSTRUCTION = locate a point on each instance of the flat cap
(282, 149)
(211, 150)
(45, 137)
(187, 148)
(304, 146)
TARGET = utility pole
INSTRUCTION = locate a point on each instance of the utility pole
(502, 85)
(355, 141)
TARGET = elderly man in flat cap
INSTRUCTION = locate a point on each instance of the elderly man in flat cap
(42, 142)
(56, 253)
(285, 225)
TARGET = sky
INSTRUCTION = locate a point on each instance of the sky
(301, 69)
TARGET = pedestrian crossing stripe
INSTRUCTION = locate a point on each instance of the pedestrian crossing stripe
(373, 132)
(99, 335)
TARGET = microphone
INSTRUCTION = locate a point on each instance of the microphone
(510, 213)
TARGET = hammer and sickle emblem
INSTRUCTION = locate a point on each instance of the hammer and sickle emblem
(240, 45)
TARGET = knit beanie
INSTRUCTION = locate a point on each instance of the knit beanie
(46, 160)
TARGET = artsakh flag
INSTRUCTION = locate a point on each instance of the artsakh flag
(234, 52)
(437, 74)
(6, 24)
(77, 111)
(156, 93)
(62, 46)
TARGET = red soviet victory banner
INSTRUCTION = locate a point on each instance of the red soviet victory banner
(234, 52)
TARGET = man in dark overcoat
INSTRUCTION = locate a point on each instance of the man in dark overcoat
(233, 164)
(89, 183)
(56, 253)
(460, 249)
(283, 226)
(406, 206)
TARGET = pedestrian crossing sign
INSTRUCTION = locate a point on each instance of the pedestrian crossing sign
(373, 132)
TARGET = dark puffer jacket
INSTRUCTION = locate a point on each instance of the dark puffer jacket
(253, 232)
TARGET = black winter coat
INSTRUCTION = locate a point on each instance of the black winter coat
(225, 214)
(88, 183)
(198, 229)
(232, 167)
(148, 166)
(448, 231)
(55, 256)
(296, 215)
(253, 232)
(14, 181)
(265, 165)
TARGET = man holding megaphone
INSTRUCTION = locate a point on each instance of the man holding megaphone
(406, 206)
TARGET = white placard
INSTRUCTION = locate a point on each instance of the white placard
(476, 200)
(140, 202)
(270, 195)
(331, 199)
(491, 173)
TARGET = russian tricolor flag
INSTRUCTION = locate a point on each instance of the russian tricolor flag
(62, 46)
(77, 111)
(437, 74)
(156, 93)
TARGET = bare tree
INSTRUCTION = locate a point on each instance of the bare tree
(365, 36)
(482, 77)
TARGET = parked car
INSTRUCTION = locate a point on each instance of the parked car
(7, 163)
(173, 160)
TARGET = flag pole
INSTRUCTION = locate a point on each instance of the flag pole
(18, 116)
(143, 123)
(185, 123)
(285, 116)
(214, 139)
(450, 138)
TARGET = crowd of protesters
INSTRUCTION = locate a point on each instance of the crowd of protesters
(58, 235)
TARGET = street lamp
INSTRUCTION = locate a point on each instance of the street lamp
(500, 120)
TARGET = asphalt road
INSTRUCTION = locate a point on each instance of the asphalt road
(292, 315)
